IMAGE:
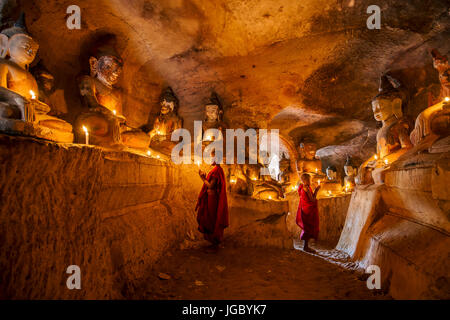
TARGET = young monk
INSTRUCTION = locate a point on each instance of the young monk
(307, 213)
(212, 206)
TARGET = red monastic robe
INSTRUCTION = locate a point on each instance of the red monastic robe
(307, 215)
(212, 207)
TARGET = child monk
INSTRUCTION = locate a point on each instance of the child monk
(212, 206)
(307, 213)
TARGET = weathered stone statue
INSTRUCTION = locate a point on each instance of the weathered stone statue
(393, 137)
(20, 110)
(350, 174)
(285, 170)
(213, 115)
(48, 94)
(308, 162)
(330, 186)
(434, 122)
(167, 122)
(106, 125)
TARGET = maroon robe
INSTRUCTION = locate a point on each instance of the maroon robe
(212, 207)
(307, 215)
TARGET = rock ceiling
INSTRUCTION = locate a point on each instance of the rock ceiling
(309, 68)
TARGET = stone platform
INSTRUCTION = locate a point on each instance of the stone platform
(403, 226)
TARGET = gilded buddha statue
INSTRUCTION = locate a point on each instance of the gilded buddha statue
(104, 120)
(21, 111)
(433, 123)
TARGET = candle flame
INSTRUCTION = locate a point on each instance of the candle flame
(319, 182)
(157, 156)
(270, 197)
(447, 99)
(33, 95)
(115, 112)
(85, 129)
(376, 157)
(149, 153)
(386, 161)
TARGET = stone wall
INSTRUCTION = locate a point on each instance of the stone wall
(258, 223)
(403, 227)
(113, 214)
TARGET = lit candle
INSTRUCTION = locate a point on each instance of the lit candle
(447, 99)
(386, 161)
(149, 153)
(157, 156)
(319, 182)
(329, 193)
(376, 157)
(86, 133)
(115, 112)
(270, 197)
(316, 170)
(33, 95)
(198, 164)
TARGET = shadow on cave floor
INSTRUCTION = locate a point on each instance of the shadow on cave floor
(252, 273)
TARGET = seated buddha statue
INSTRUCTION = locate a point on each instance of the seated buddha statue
(308, 162)
(48, 94)
(350, 173)
(433, 123)
(167, 122)
(213, 117)
(330, 186)
(393, 137)
(20, 110)
(106, 125)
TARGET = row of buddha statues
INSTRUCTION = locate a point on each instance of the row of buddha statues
(26, 109)
(26, 104)
(431, 132)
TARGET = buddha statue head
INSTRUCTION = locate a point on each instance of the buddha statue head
(331, 173)
(213, 110)
(440, 62)
(16, 43)
(45, 80)
(105, 63)
(349, 167)
(308, 150)
(168, 101)
(388, 103)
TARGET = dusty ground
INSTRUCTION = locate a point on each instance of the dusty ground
(252, 273)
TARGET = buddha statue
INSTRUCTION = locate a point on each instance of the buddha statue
(308, 162)
(48, 94)
(350, 173)
(393, 137)
(433, 123)
(330, 186)
(285, 170)
(106, 125)
(20, 110)
(167, 122)
(213, 115)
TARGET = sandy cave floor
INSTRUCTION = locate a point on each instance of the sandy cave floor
(253, 273)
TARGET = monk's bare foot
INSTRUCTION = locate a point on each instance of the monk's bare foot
(309, 250)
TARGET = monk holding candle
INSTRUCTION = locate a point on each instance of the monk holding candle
(308, 213)
(212, 206)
